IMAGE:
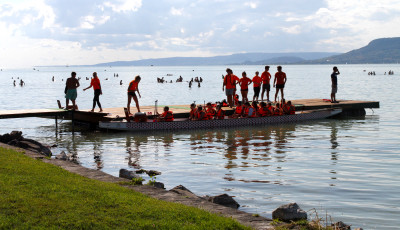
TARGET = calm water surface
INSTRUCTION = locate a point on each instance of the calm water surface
(348, 168)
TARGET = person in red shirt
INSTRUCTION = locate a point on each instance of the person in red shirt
(279, 81)
(95, 82)
(166, 115)
(229, 83)
(266, 77)
(244, 83)
(210, 111)
(257, 81)
(238, 111)
(133, 86)
(201, 115)
(193, 112)
(220, 115)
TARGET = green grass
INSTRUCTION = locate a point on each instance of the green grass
(36, 195)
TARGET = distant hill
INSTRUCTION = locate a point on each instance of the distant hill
(383, 50)
(239, 59)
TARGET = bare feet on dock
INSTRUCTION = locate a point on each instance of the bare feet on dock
(92, 110)
(100, 110)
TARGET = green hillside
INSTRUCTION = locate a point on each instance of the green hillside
(383, 50)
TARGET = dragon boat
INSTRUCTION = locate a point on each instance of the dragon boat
(185, 123)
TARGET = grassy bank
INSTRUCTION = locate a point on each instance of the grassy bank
(34, 194)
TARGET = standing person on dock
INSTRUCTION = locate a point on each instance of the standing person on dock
(230, 82)
(279, 81)
(71, 94)
(266, 77)
(244, 83)
(95, 82)
(257, 81)
(334, 84)
(133, 86)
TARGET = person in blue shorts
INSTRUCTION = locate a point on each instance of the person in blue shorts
(70, 90)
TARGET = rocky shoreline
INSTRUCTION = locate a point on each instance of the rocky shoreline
(222, 204)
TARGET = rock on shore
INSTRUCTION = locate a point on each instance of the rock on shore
(15, 138)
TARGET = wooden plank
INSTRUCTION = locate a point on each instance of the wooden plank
(4, 114)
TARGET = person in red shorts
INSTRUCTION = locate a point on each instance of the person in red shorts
(244, 83)
(266, 77)
(257, 81)
(279, 81)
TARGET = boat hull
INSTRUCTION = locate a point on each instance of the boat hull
(147, 126)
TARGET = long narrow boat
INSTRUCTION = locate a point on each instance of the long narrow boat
(227, 122)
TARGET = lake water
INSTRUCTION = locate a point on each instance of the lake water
(347, 168)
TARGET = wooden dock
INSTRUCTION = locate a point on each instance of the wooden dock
(4, 114)
(350, 107)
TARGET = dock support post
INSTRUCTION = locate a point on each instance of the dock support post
(73, 125)
(56, 119)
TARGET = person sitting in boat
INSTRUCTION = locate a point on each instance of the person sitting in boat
(166, 115)
(270, 107)
(220, 115)
(224, 103)
(238, 111)
(254, 104)
(264, 111)
(201, 115)
(193, 112)
(248, 110)
(278, 110)
(288, 108)
(236, 99)
(210, 111)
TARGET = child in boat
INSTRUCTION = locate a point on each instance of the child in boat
(220, 115)
(193, 111)
(133, 86)
(254, 105)
(248, 110)
(236, 99)
(210, 111)
(264, 111)
(166, 115)
(288, 108)
(278, 110)
(224, 103)
(201, 115)
(238, 111)
(270, 108)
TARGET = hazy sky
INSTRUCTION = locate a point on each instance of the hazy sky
(74, 32)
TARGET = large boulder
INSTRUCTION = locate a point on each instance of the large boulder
(31, 145)
(124, 173)
(182, 190)
(341, 226)
(14, 135)
(15, 138)
(225, 200)
(289, 212)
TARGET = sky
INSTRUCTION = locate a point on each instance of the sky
(82, 32)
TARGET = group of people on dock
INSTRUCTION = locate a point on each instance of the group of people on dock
(72, 84)
(260, 84)
(214, 111)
